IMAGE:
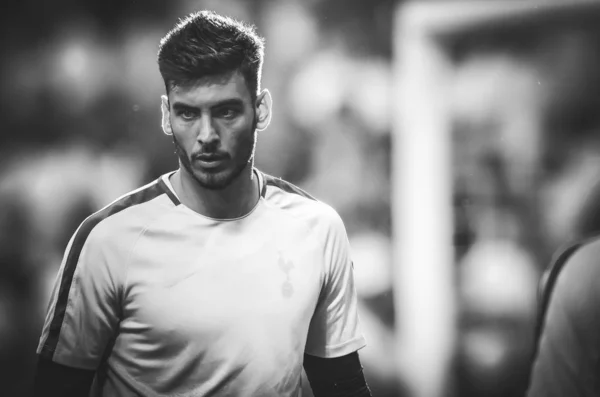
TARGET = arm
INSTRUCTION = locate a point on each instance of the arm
(82, 317)
(339, 376)
(59, 380)
(331, 361)
(567, 362)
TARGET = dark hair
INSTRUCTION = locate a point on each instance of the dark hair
(207, 44)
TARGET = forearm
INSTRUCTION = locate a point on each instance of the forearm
(355, 386)
(52, 379)
(336, 377)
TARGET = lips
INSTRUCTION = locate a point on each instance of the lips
(209, 160)
(208, 157)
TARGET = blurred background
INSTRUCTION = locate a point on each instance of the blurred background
(459, 141)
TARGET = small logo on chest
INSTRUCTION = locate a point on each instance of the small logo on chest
(286, 266)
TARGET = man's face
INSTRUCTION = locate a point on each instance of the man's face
(213, 123)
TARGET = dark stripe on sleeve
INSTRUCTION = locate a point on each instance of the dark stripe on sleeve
(286, 186)
(168, 191)
(139, 197)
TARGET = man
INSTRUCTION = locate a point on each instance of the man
(216, 279)
(567, 359)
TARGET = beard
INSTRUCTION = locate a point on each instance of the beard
(218, 180)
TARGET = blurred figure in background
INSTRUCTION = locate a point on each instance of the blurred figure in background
(528, 126)
(567, 356)
(567, 360)
(135, 313)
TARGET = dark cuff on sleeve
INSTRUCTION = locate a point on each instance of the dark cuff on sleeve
(333, 377)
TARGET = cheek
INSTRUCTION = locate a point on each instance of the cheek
(184, 133)
(237, 133)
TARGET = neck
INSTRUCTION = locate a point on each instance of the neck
(234, 201)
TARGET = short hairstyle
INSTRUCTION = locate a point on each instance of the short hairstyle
(207, 44)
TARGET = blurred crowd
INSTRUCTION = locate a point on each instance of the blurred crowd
(81, 126)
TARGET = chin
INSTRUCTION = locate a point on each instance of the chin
(213, 180)
(216, 180)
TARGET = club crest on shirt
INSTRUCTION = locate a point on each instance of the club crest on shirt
(286, 265)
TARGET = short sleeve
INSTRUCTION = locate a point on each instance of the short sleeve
(335, 328)
(84, 309)
(568, 359)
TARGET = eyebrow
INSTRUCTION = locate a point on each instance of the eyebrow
(223, 103)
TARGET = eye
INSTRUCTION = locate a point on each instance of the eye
(227, 113)
(186, 114)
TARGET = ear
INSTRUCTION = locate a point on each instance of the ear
(264, 103)
(166, 113)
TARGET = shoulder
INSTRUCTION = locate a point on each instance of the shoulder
(299, 203)
(573, 280)
(579, 263)
(125, 217)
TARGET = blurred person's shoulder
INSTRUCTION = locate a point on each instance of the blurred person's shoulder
(579, 261)
(574, 276)
(567, 337)
(295, 202)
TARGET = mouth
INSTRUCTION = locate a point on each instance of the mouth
(209, 160)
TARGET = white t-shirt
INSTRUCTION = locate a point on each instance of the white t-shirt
(161, 300)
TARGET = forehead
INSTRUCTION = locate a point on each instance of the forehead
(212, 89)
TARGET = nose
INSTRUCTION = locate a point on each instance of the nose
(207, 134)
